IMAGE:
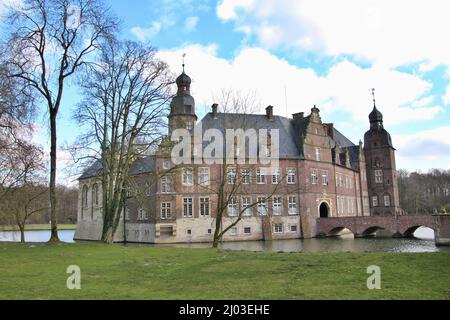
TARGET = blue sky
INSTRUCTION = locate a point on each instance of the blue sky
(324, 53)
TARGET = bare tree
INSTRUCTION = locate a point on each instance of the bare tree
(49, 41)
(124, 107)
(21, 203)
(231, 182)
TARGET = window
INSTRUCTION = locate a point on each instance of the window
(277, 205)
(203, 176)
(204, 207)
(324, 177)
(166, 164)
(209, 231)
(292, 205)
(375, 201)
(232, 207)
(233, 231)
(127, 214)
(293, 228)
(276, 176)
(187, 177)
(142, 214)
(387, 200)
(314, 176)
(291, 174)
(85, 197)
(189, 125)
(260, 176)
(246, 203)
(378, 176)
(247, 230)
(189, 232)
(166, 185)
(95, 194)
(231, 176)
(245, 176)
(166, 210)
(317, 154)
(261, 206)
(187, 207)
(278, 228)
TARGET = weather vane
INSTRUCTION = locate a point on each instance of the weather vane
(373, 95)
(184, 56)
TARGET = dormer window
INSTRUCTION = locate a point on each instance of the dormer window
(189, 125)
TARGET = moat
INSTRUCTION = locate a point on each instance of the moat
(422, 243)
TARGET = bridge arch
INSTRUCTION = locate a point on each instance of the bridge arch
(371, 231)
(337, 230)
(409, 233)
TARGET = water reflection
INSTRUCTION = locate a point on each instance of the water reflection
(424, 242)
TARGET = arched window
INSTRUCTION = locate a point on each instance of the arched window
(84, 197)
(95, 195)
(387, 200)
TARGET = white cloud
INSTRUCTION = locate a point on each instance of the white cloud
(447, 96)
(389, 32)
(145, 34)
(400, 96)
(424, 149)
(190, 23)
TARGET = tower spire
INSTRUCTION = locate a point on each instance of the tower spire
(184, 56)
(373, 96)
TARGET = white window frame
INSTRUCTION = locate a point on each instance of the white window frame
(249, 228)
(166, 164)
(325, 180)
(231, 176)
(276, 176)
(166, 210)
(202, 206)
(293, 225)
(378, 176)
(314, 177)
(276, 228)
(387, 200)
(375, 201)
(142, 214)
(277, 207)
(292, 205)
(188, 207)
(262, 206)
(246, 175)
(187, 177)
(261, 176)
(234, 231)
(166, 184)
(248, 212)
(291, 176)
(203, 176)
(232, 208)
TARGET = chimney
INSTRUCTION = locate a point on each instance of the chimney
(299, 115)
(214, 110)
(269, 112)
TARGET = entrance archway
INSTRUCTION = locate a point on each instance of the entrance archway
(324, 210)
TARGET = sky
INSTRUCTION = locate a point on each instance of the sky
(294, 54)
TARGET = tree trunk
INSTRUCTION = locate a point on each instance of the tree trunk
(22, 234)
(52, 186)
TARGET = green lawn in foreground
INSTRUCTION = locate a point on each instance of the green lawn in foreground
(118, 272)
(30, 227)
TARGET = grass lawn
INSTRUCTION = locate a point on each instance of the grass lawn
(35, 227)
(118, 272)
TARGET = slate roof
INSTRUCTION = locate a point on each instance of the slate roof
(139, 166)
(291, 133)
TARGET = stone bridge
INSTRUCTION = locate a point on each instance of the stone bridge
(401, 226)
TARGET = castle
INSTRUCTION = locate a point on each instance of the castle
(320, 174)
